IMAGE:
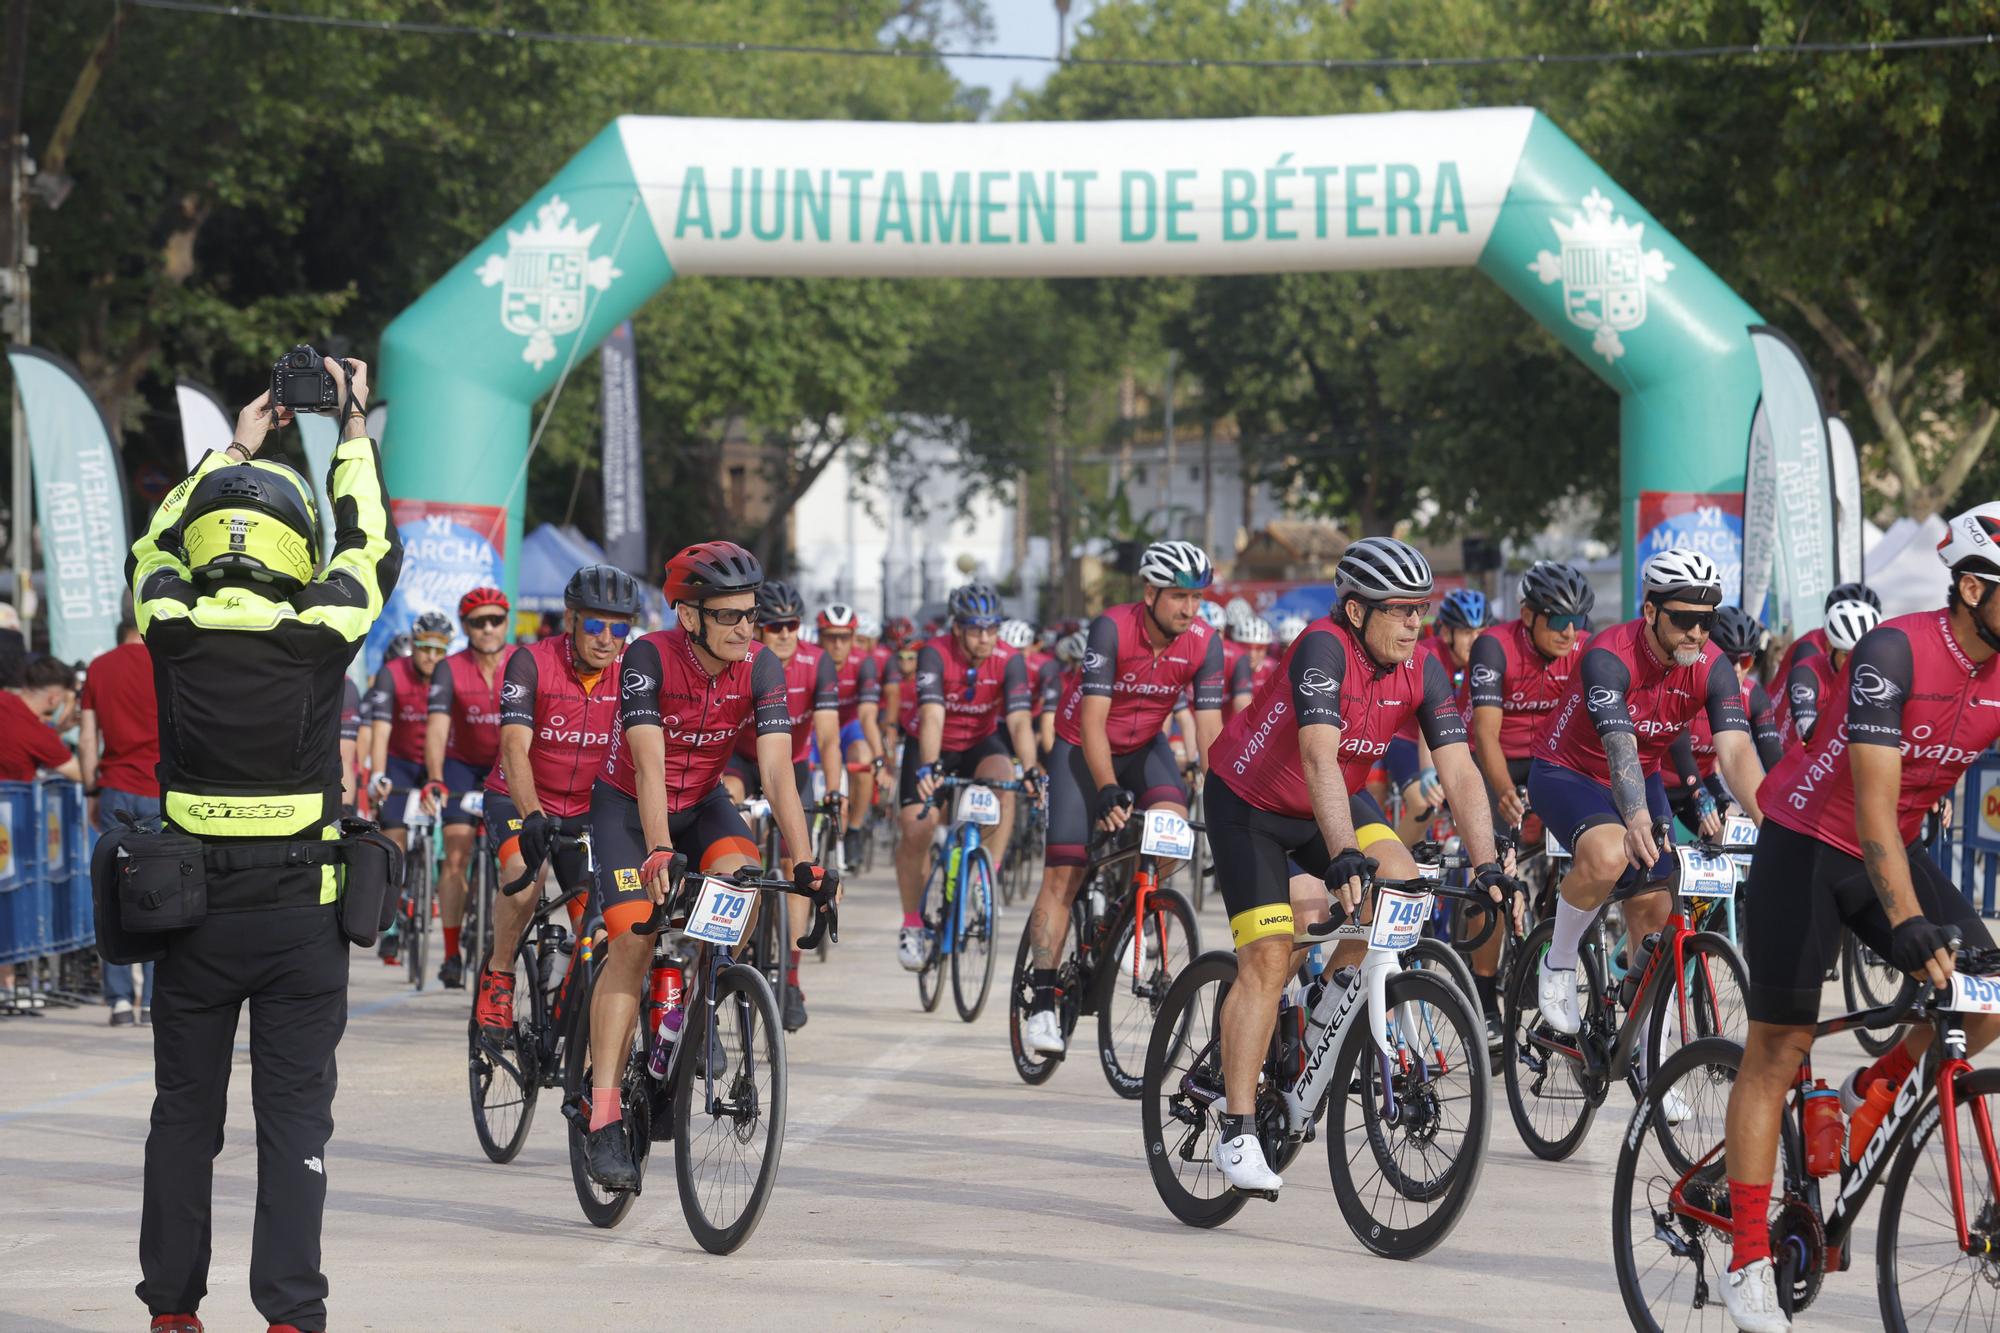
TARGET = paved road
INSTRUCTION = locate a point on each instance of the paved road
(923, 1185)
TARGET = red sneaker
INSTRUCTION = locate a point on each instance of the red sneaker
(175, 1323)
(284, 1328)
(494, 1010)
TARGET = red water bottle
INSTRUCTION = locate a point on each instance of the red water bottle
(1824, 1131)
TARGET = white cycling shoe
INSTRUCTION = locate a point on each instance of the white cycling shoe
(1751, 1293)
(1241, 1161)
(1558, 999)
(1675, 1108)
(913, 948)
(1042, 1033)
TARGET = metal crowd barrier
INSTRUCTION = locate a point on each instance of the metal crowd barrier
(45, 840)
(1971, 852)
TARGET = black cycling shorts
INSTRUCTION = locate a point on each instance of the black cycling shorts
(746, 772)
(705, 832)
(1800, 893)
(503, 830)
(950, 763)
(1149, 773)
(1254, 851)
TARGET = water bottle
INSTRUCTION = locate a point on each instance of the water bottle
(1629, 987)
(1321, 998)
(1824, 1131)
(664, 1038)
(555, 965)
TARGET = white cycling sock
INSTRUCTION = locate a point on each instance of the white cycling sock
(1571, 922)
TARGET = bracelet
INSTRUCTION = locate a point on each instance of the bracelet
(238, 444)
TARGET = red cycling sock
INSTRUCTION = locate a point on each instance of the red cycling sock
(912, 920)
(451, 939)
(605, 1109)
(1749, 1223)
(792, 975)
(795, 960)
(1895, 1065)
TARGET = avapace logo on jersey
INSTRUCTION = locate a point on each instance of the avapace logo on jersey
(1130, 684)
(558, 731)
(1484, 675)
(1260, 737)
(638, 682)
(695, 739)
(1360, 747)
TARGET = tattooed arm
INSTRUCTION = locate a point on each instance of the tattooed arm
(1628, 790)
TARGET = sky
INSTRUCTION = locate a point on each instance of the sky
(1018, 25)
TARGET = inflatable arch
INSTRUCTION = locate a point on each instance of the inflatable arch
(1502, 190)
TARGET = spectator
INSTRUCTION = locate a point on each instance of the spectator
(27, 744)
(119, 749)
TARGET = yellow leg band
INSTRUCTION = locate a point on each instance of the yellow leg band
(1369, 834)
(1260, 922)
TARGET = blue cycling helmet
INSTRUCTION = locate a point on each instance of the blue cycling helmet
(1463, 608)
(975, 601)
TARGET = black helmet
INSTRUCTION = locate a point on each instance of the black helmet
(400, 646)
(1556, 589)
(778, 600)
(1736, 631)
(254, 519)
(1853, 592)
(602, 588)
(974, 601)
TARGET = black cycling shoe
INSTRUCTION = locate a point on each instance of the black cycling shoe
(795, 1007)
(851, 848)
(452, 974)
(608, 1157)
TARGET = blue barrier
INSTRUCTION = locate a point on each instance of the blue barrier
(45, 905)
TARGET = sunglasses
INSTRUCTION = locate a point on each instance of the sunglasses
(1689, 621)
(485, 622)
(971, 682)
(1403, 610)
(729, 616)
(438, 648)
(1563, 624)
(619, 628)
(780, 627)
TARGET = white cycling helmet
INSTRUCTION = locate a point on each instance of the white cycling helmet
(1176, 565)
(1290, 628)
(837, 615)
(1682, 575)
(1846, 622)
(1216, 617)
(1376, 569)
(1017, 634)
(1070, 648)
(1255, 632)
(868, 627)
(1237, 610)
(1973, 535)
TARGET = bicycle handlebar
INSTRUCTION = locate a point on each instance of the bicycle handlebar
(1472, 896)
(826, 912)
(948, 784)
(556, 844)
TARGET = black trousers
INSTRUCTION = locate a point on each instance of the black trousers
(290, 965)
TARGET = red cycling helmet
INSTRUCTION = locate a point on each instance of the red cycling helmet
(479, 597)
(901, 631)
(711, 569)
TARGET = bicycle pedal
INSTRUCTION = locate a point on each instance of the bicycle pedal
(1268, 1196)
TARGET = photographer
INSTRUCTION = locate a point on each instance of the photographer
(250, 641)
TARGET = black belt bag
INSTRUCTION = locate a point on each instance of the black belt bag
(162, 882)
(374, 871)
(116, 943)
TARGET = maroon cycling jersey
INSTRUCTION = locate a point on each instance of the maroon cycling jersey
(890, 674)
(1807, 646)
(1620, 686)
(1247, 679)
(401, 698)
(473, 702)
(1694, 751)
(1326, 678)
(1143, 686)
(1810, 683)
(1232, 653)
(350, 712)
(1044, 681)
(848, 686)
(1508, 673)
(976, 698)
(1907, 684)
(1432, 646)
(573, 719)
(801, 694)
(661, 683)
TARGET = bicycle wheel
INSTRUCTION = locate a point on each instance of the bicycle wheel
(1138, 970)
(729, 1127)
(1671, 1266)
(1181, 1100)
(1712, 1000)
(1033, 1066)
(1868, 981)
(504, 1072)
(416, 950)
(1433, 955)
(1922, 1276)
(937, 921)
(1552, 1096)
(972, 948)
(604, 1208)
(1405, 1140)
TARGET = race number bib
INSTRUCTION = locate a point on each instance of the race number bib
(720, 913)
(979, 805)
(1739, 835)
(413, 809)
(1975, 995)
(473, 803)
(1399, 919)
(1704, 875)
(1167, 834)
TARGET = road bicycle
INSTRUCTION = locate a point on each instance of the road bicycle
(1937, 1242)
(768, 950)
(482, 877)
(1128, 938)
(960, 907)
(413, 915)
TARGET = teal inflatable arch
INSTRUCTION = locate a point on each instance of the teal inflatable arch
(1502, 190)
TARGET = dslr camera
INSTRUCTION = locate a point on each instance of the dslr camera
(300, 382)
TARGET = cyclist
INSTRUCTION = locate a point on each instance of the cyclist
(1841, 849)
(1596, 777)
(1110, 754)
(400, 702)
(1287, 781)
(558, 709)
(1813, 641)
(1812, 680)
(350, 743)
(1693, 789)
(1519, 672)
(972, 700)
(1289, 627)
(1044, 692)
(868, 641)
(461, 744)
(1461, 615)
(1253, 668)
(849, 682)
(780, 612)
(660, 806)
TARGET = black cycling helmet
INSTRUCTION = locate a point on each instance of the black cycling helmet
(1853, 592)
(400, 646)
(1556, 589)
(711, 569)
(778, 600)
(602, 588)
(1736, 631)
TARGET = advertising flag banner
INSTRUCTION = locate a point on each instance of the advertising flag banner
(1710, 522)
(205, 421)
(1846, 499)
(624, 476)
(1805, 566)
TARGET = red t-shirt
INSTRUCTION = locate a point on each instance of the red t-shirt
(119, 689)
(26, 742)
